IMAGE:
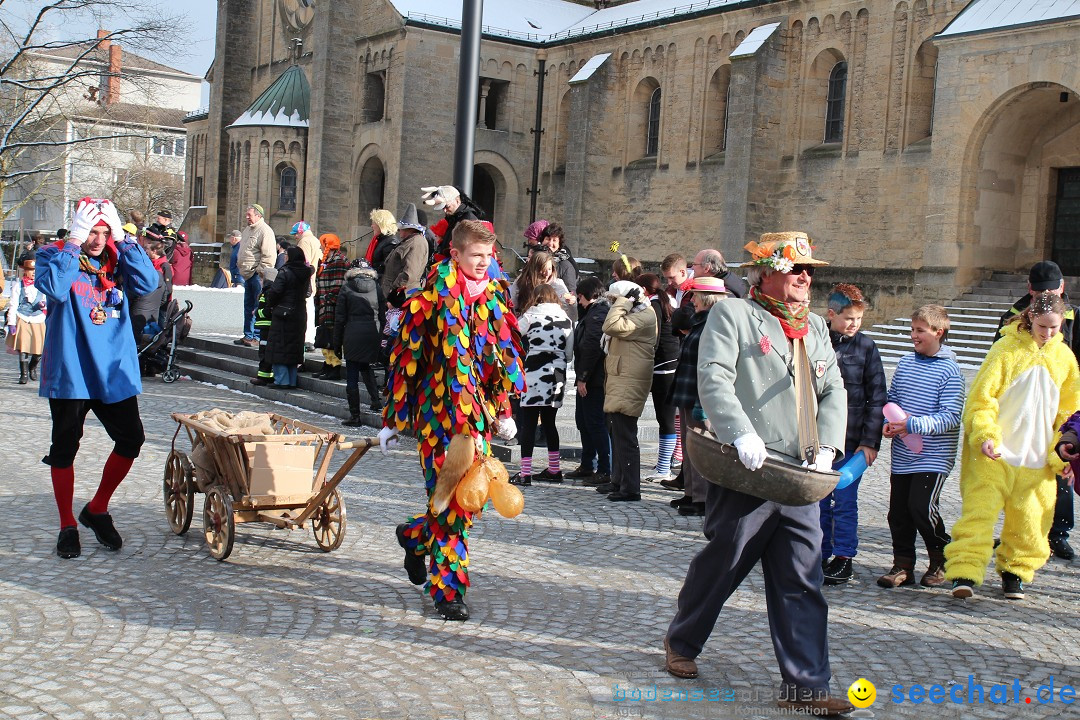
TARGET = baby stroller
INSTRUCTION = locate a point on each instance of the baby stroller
(157, 351)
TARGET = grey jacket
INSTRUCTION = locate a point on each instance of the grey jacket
(258, 249)
(746, 390)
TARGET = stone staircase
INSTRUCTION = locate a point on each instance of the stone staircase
(973, 318)
(218, 361)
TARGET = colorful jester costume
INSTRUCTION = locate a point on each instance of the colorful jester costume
(453, 365)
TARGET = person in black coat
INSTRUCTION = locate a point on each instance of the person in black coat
(356, 331)
(589, 369)
(551, 237)
(287, 303)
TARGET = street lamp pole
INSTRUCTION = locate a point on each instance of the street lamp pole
(468, 93)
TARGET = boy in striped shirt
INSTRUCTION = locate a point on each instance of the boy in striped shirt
(930, 389)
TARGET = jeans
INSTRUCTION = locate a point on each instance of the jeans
(591, 423)
(840, 522)
(285, 375)
(1063, 511)
(252, 288)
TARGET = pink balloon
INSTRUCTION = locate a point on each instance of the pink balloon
(895, 413)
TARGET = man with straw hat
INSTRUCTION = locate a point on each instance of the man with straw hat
(758, 358)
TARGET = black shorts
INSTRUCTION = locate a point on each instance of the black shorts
(121, 421)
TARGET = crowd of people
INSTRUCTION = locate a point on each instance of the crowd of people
(468, 354)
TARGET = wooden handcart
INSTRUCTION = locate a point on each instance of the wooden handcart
(260, 478)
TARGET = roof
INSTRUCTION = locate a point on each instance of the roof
(129, 59)
(136, 114)
(986, 15)
(286, 103)
(545, 21)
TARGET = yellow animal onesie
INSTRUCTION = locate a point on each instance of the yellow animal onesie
(1020, 397)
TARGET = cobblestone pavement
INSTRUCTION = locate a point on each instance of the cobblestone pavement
(570, 603)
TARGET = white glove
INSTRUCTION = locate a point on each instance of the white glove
(824, 460)
(752, 452)
(626, 289)
(387, 439)
(87, 215)
(506, 428)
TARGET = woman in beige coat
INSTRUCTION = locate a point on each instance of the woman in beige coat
(629, 339)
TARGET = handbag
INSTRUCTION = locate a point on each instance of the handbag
(324, 335)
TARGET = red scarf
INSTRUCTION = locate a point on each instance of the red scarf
(794, 317)
(158, 262)
(107, 259)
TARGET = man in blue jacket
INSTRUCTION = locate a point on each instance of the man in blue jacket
(90, 362)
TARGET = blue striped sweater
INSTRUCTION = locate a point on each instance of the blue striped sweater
(931, 390)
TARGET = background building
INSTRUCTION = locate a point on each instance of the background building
(922, 144)
(130, 112)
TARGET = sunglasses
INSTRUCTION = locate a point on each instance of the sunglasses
(800, 269)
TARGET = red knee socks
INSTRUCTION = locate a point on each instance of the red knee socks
(63, 483)
(116, 469)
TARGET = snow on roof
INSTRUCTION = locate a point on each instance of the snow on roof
(752, 42)
(986, 15)
(286, 103)
(589, 68)
(543, 21)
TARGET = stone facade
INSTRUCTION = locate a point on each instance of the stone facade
(945, 168)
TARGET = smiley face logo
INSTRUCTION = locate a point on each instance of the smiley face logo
(862, 693)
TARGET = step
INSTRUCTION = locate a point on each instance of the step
(960, 337)
(900, 344)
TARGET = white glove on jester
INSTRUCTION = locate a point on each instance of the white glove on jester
(752, 452)
(90, 212)
(506, 428)
(387, 439)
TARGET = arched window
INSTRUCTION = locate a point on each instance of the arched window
(834, 105)
(287, 190)
(652, 131)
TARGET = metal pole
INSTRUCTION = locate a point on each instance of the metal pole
(468, 93)
(534, 191)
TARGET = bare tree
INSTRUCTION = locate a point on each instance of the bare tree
(37, 99)
(148, 185)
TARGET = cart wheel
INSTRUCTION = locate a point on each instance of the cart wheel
(178, 489)
(219, 525)
(328, 522)
(170, 376)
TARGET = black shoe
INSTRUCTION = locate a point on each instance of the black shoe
(624, 497)
(308, 347)
(455, 609)
(522, 480)
(606, 488)
(694, 509)
(414, 564)
(67, 545)
(580, 473)
(102, 525)
(597, 480)
(260, 381)
(963, 589)
(1061, 548)
(681, 502)
(1012, 586)
(240, 341)
(548, 476)
(353, 421)
(376, 407)
(331, 373)
(676, 483)
(839, 571)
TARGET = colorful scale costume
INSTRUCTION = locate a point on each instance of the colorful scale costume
(451, 371)
(1021, 396)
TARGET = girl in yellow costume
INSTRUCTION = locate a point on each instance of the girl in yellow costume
(452, 368)
(1026, 388)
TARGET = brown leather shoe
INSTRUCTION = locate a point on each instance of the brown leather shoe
(827, 706)
(677, 665)
(934, 576)
(897, 577)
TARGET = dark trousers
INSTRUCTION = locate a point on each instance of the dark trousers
(528, 417)
(625, 453)
(354, 371)
(694, 483)
(1063, 511)
(665, 411)
(266, 370)
(120, 419)
(591, 423)
(741, 530)
(914, 507)
(252, 288)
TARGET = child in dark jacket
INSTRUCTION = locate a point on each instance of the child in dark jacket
(864, 380)
(265, 373)
(1068, 447)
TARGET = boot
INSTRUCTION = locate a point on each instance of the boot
(353, 396)
(34, 360)
(372, 389)
(22, 369)
(332, 372)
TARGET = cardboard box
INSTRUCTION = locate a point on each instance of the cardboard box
(280, 470)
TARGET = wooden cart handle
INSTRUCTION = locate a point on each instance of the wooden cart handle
(362, 442)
